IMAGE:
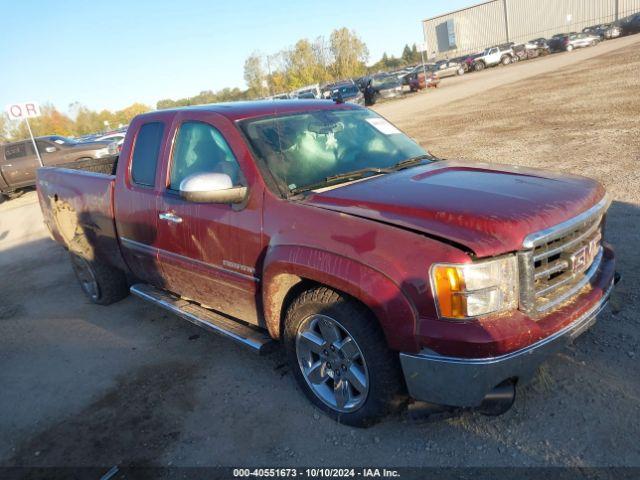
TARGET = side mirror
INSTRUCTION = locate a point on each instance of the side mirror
(211, 188)
(50, 149)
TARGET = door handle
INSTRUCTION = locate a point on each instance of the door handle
(170, 217)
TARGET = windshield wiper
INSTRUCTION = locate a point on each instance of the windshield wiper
(357, 174)
(353, 175)
(410, 162)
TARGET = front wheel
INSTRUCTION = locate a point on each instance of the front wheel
(340, 358)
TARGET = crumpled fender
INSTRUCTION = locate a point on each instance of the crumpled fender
(286, 265)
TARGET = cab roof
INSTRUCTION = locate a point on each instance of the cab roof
(261, 108)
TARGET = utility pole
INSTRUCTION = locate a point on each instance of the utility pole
(506, 19)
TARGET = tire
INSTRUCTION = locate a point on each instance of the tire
(479, 66)
(102, 283)
(323, 326)
(569, 48)
(506, 60)
(460, 71)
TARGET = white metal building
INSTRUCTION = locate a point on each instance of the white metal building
(500, 21)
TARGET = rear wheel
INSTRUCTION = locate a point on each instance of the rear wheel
(340, 358)
(460, 71)
(102, 283)
(506, 60)
(569, 48)
(479, 66)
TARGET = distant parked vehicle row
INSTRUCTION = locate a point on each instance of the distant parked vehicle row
(372, 88)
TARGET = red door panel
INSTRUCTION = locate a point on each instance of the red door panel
(211, 253)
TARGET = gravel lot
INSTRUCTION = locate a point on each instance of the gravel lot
(87, 385)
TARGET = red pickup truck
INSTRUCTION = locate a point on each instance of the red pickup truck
(386, 273)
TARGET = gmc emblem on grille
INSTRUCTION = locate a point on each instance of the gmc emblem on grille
(583, 258)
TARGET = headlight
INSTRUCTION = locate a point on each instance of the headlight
(470, 290)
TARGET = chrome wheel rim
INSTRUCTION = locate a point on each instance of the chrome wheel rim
(86, 278)
(332, 363)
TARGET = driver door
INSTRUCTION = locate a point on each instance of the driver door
(209, 252)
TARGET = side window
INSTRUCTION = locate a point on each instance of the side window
(200, 148)
(15, 151)
(145, 153)
(42, 146)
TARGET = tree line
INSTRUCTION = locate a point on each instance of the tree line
(342, 56)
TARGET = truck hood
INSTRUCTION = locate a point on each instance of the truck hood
(488, 209)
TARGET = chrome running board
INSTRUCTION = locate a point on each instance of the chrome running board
(249, 336)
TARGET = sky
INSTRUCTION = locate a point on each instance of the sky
(112, 54)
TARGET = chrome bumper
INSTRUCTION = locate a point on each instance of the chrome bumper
(464, 382)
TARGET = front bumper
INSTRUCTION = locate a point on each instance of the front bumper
(465, 382)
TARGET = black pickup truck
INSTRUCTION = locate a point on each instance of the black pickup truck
(19, 162)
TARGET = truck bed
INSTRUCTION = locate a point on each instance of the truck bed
(77, 207)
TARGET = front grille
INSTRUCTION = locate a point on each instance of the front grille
(560, 261)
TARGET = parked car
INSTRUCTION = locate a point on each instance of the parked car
(572, 41)
(540, 44)
(448, 68)
(462, 62)
(421, 78)
(631, 25)
(308, 92)
(380, 268)
(557, 42)
(493, 56)
(521, 52)
(605, 31)
(468, 61)
(347, 92)
(116, 137)
(18, 160)
(612, 30)
(382, 87)
(581, 40)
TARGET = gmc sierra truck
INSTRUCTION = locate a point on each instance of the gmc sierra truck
(385, 272)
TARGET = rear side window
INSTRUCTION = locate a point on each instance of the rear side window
(145, 154)
(15, 151)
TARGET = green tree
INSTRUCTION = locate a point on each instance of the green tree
(350, 54)
(407, 55)
(254, 74)
(301, 65)
(415, 54)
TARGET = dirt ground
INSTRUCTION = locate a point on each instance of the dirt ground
(90, 385)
